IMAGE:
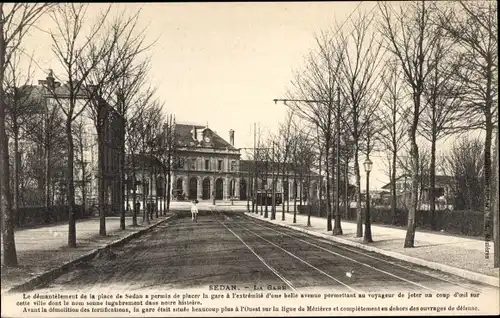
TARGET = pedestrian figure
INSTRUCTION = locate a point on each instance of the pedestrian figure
(194, 211)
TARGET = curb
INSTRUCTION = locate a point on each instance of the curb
(463, 273)
(52, 274)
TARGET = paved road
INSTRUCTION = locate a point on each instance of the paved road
(225, 248)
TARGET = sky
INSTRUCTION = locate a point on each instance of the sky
(222, 64)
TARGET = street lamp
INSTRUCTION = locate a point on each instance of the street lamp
(368, 231)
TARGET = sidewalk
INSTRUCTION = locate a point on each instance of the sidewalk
(44, 249)
(455, 255)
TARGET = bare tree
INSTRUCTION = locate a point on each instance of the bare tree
(496, 210)
(393, 133)
(171, 155)
(148, 129)
(474, 25)
(73, 49)
(21, 107)
(15, 21)
(464, 162)
(117, 75)
(317, 85)
(442, 97)
(411, 38)
(135, 117)
(284, 148)
(358, 85)
(305, 158)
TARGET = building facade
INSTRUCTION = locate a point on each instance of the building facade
(86, 167)
(206, 165)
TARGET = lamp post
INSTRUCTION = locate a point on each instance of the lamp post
(368, 231)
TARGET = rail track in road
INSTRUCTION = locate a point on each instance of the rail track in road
(225, 248)
(389, 270)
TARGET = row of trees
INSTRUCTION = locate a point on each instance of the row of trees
(396, 80)
(102, 78)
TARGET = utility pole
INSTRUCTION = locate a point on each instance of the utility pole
(337, 229)
(254, 197)
(273, 207)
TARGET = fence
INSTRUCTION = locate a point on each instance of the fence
(465, 222)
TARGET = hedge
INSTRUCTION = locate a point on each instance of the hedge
(465, 222)
(31, 216)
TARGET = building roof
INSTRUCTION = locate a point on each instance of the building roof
(185, 137)
(147, 160)
(249, 165)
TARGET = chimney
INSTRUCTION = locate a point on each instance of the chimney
(231, 137)
(50, 79)
(194, 134)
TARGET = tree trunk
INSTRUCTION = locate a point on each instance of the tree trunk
(487, 179)
(294, 196)
(145, 215)
(359, 211)
(410, 232)
(309, 199)
(346, 195)
(17, 165)
(337, 230)
(82, 164)
(301, 192)
(47, 177)
(320, 181)
(9, 245)
(169, 187)
(134, 193)
(393, 187)
(156, 196)
(288, 191)
(328, 189)
(265, 197)
(102, 183)
(496, 211)
(150, 198)
(432, 181)
(127, 194)
(121, 175)
(71, 186)
(283, 195)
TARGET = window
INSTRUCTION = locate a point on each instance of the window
(219, 165)
(207, 164)
(193, 164)
(233, 165)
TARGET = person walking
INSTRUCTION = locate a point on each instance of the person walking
(194, 211)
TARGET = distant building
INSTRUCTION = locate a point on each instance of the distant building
(443, 191)
(206, 164)
(113, 124)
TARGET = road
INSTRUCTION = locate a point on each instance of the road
(232, 249)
